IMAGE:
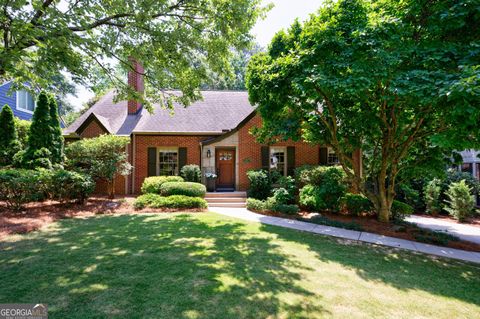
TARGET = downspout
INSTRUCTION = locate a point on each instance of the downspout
(134, 153)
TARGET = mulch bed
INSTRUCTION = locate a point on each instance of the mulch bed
(38, 214)
(372, 225)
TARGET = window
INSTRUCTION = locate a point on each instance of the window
(25, 101)
(332, 158)
(168, 161)
(278, 160)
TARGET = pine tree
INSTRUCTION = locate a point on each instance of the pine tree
(40, 135)
(9, 144)
(57, 138)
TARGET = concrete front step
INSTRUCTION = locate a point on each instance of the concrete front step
(230, 205)
(225, 199)
(226, 194)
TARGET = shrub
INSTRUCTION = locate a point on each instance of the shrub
(183, 188)
(325, 186)
(281, 196)
(409, 195)
(356, 204)
(174, 201)
(18, 187)
(152, 184)
(260, 184)
(400, 210)
(256, 205)
(432, 196)
(9, 144)
(303, 175)
(288, 183)
(63, 185)
(322, 220)
(191, 173)
(460, 201)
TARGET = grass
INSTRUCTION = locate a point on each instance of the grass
(210, 266)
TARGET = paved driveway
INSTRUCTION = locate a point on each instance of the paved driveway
(463, 231)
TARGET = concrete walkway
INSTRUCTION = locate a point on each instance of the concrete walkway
(462, 231)
(245, 214)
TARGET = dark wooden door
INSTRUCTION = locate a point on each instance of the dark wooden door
(225, 162)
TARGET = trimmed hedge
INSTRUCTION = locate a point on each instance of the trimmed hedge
(174, 201)
(185, 188)
(400, 210)
(191, 173)
(356, 204)
(63, 185)
(20, 186)
(271, 205)
(152, 184)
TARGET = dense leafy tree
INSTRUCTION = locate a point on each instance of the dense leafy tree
(103, 158)
(57, 139)
(9, 144)
(398, 79)
(176, 40)
(22, 127)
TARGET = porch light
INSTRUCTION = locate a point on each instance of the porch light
(209, 154)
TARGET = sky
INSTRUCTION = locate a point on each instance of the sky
(281, 16)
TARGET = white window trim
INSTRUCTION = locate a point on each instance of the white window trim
(283, 149)
(21, 108)
(329, 151)
(166, 149)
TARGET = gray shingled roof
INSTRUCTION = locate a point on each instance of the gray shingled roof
(218, 112)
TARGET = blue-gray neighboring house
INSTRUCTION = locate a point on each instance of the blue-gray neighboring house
(21, 102)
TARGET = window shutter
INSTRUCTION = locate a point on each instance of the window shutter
(265, 154)
(152, 161)
(182, 158)
(290, 160)
(323, 156)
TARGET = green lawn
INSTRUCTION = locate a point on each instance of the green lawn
(210, 266)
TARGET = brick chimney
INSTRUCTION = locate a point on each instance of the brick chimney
(135, 81)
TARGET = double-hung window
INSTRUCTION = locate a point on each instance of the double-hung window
(278, 160)
(168, 161)
(332, 158)
(25, 101)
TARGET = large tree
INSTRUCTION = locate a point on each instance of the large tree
(176, 40)
(398, 79)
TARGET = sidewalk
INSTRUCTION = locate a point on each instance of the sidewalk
(245, 214)
(464, 232)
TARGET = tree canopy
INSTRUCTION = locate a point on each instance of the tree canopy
(398, 79)
(176, 40)
(9, 143)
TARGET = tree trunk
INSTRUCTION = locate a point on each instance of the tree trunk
(111, 189)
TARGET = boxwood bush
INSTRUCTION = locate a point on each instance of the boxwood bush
(356, 204)
(185, 188)
(152, 184)
(174, 202)
(271, 205)
(19, 186)
(191, 173)
(63, 185)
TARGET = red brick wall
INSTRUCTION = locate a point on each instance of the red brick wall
(92, 130)
(143, 142)
(250, 152)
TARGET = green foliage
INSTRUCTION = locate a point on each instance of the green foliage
(432, 197)
(183, 188)
(356, 204)
(22, 127)
(271, 205)
(409, 195)
(397, 93)
(40, 135)
(322, 220)
(172, 202)
(56, 148)
(18, 187)
(9, 144)
(63, 185)
(260, 184)
(460, 202)
(178, 43)
(454, 176)
(303, 175)
(400, 210)
(152, 184)
(287, 183)
(103, 158)
(281, 195)
(191, 173)
(325, 186)
(429, 236)
(255, 205)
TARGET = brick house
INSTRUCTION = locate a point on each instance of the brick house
(212, 133)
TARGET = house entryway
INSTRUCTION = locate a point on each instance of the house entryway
(225, 167)
(226, 199)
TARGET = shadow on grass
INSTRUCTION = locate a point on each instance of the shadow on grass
(152, 266)
(398, 268)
